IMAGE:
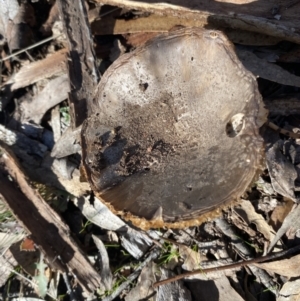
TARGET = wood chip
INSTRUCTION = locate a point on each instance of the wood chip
(31, 73)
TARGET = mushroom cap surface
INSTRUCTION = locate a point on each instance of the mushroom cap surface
(176, 134)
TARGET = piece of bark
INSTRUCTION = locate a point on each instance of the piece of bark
(158, 24)
(19, 33)
(46, 227)
(83, 72)
(253, 16)
(29, 74)
(54, 92)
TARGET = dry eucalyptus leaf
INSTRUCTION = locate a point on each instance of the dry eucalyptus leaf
(174, 291)
(7, 239)
(286, 267)
(55, 91)
(105, 271)
(7, 264)
(192, 259)
(291, 222)
(282, 172)
(247, 212)
(209, 290)
(135, 242)
(290, 291)
(143, 288)
(176, 133)
(262, 68)
(279, 214)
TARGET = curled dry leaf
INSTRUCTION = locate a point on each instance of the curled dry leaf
(247, 212)
(170, 143)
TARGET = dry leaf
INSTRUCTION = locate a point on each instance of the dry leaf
(174, 291)
(219, 289)
(192, 259)
(105, 271)
(7, 239)
(280, 213)
(246, 211)
(135, 242)
(143, 289)
(291, 222)
(55, 91)
(290, 291)
(262, 68)
(7, 264)
(282, 172)
(286, 267)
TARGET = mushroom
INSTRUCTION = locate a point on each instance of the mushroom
(176, 136)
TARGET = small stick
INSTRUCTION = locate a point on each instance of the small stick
(280, 130)
(229, 266)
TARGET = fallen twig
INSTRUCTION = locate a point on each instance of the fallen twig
(238, 264)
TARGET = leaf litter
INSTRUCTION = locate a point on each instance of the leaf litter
(31, 89)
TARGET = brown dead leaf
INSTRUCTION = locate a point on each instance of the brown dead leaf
(247, 212)
(55, 91)
(26, 260)
(143, 288)
(290, 291)
(281, 171)
(209, 290)
(290, 223)
(286, 267)
(192, 259)
(280, 213)
(262, 68)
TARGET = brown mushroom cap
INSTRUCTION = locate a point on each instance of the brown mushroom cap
(176, 133)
